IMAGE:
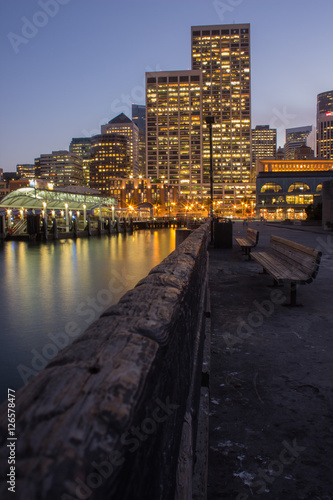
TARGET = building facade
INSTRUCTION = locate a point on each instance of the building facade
(222, 53)
(263, 140)
(296, 137)
(285, 188)
(121, 125)
(26, 170)
(81, 146)
(137, 192)
(174, 138)
(61, 168)
(109, 158)
(139, 118)
(325, 125)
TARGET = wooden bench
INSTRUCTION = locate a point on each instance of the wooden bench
(250, 241)
(289, 262)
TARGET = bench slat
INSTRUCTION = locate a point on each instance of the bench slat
(304, 258)
(289, 262)
(250, 240)
(280, 270)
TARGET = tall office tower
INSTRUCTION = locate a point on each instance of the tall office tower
(122, 125)
(263, 141)
(109, 159)
(26, 170)
(325, 125)
(81, 146)
(139, 118)
(296, 137)
(174, 138)
(222, 53)
(62, 168)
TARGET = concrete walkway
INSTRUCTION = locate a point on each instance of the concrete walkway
(271, 408)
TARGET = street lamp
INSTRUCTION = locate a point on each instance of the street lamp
(210, 120)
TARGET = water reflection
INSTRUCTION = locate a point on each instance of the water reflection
(44, 286)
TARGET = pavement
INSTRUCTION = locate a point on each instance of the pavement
(271, 383)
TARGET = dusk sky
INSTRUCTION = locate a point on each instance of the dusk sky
(72, 66)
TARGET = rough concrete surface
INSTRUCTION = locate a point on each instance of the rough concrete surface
(271, 407)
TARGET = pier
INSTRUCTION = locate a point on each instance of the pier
(199, 384)
(41, 214)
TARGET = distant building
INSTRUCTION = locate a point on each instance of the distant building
(286, 187)
(280, 154)
(222, 54)
(263, 141)
(77, 190)
(296, 137)
(304, 153)
(61, 168)
(174, 133)
(121, 125)
(81, 146)
(325, 125)
(6, 182)
(139, 118)
(18, 184)
(26, 170)
(135, 192)
(4, 189)
(110, 158)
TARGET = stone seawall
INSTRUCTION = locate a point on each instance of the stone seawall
(104, 419)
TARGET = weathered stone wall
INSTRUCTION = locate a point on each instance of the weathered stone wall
(104, 419)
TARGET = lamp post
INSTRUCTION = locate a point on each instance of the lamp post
(210, 120)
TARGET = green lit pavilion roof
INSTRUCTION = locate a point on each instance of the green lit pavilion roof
(55, 200)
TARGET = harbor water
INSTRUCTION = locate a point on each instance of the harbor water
(51, 292)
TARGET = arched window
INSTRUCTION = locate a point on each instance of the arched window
(319, 188)
(298, 187)
(271, 187)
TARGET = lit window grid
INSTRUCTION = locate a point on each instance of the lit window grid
(173, 131)
(226, 80)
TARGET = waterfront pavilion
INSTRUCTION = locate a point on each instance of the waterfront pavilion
(45, 201)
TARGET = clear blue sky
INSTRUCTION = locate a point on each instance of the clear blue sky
(85, 62)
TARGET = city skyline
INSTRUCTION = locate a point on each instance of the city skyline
(70, 67)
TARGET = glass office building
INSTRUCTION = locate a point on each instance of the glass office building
(325, 125)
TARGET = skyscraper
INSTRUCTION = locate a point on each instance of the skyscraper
(325, 125)
(296, 137)
(109, 159)
(263, 141)
(174, 154)
(139, 118)
(222, 53)
(81, 146)
(122, 125)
